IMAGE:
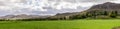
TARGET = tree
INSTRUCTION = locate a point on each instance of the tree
(105, 13)
(113, 14)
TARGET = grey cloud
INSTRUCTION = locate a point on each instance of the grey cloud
(22, 1)
(96, 0)
(50, 9)
(2, 4)
(85, 1)
(54, 0)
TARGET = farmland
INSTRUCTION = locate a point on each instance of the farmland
(62, 24)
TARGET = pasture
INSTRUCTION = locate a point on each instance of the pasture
(70, 24)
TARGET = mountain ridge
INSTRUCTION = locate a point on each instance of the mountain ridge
(22, 16)
(105, 9)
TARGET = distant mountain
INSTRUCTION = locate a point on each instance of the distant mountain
(96, 10)
(105, 8)
(66, 14)
(108, 6)
(22, 16)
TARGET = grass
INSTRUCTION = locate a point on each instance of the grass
(71, 24)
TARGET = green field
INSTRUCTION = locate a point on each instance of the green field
(71, 24)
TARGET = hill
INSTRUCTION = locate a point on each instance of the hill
(22, 16)
(107, 9)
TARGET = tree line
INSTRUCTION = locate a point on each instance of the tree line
(91, 14)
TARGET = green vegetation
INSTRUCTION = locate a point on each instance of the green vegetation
(62, 24)
(113, 14)
(97, 14)
(87, 14)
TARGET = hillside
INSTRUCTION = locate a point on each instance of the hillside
(107, 9)
(22, 16)
(108, 6)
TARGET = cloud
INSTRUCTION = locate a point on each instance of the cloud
(77, 1)
(96, 1)
(45, 6)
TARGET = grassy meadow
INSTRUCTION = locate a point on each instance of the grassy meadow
(70, 24)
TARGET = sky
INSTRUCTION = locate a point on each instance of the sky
(46, 7)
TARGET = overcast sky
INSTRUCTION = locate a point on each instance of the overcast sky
(46, 7)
